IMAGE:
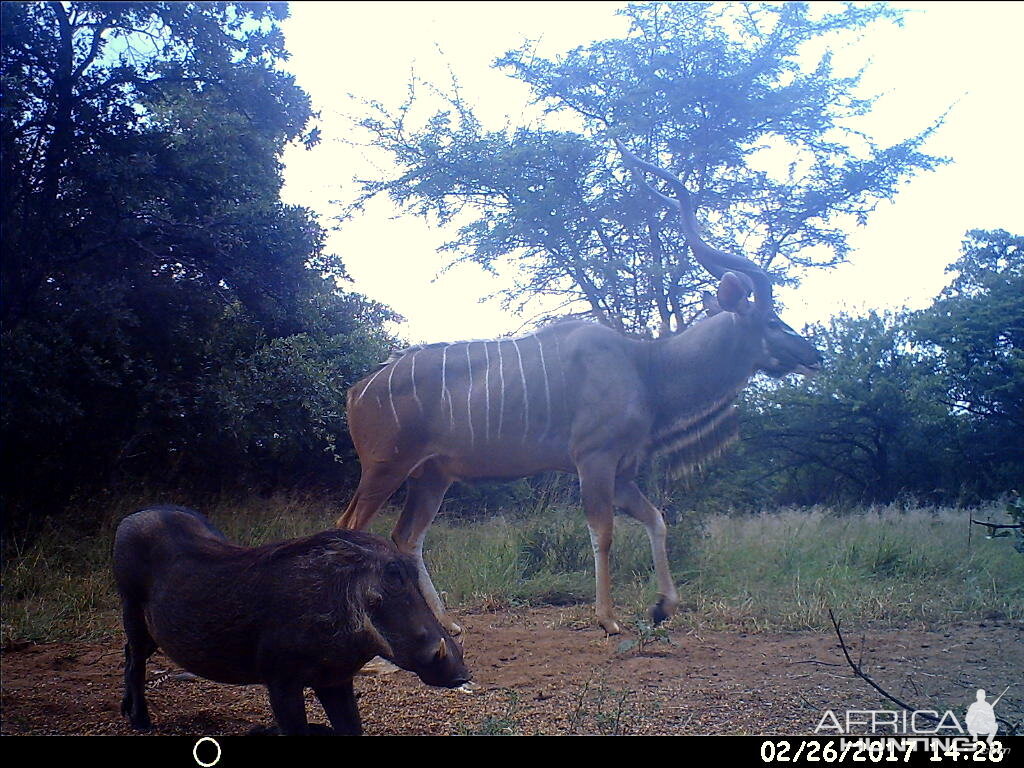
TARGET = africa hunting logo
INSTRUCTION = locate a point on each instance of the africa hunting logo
(979, 721)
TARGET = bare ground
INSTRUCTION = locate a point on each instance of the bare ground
(549, 670)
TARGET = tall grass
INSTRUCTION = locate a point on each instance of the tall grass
(57, 581)
(778, 570)
(886, 564)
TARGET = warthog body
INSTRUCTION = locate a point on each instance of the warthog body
(302, 613)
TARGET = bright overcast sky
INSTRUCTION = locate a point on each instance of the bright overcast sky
(948, 54)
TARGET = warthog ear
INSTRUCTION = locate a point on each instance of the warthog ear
(442, 650)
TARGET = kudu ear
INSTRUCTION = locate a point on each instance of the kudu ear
(711, 305)
(732, 294)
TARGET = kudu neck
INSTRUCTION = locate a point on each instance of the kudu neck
(708, 362)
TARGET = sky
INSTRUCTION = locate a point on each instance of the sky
(961, 57)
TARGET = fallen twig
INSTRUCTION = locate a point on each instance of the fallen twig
(101, 656)
(864, 676)
(1011, 727)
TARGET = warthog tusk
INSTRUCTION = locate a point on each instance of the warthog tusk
(442, 650)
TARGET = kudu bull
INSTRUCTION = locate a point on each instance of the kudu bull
(576, 397)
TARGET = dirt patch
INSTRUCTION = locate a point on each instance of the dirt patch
(548, 670)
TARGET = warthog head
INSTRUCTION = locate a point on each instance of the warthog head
(411, 634)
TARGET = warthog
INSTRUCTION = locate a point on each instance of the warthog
(302, 613)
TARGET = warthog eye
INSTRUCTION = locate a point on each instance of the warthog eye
(394, 576)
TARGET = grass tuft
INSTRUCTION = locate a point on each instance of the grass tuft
(774, 571)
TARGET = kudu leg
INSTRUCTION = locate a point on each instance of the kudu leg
(424, 495)
(629, 498)
(597, 487)
(376, 485)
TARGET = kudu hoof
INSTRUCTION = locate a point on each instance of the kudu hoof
(658, 612)
(611, 626)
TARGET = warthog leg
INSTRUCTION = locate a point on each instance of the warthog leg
(140, 646)
(340, 705)
(289, 707)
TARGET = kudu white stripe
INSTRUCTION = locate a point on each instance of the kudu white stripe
(487, 393)
(501, 371)
(370, 382)
(469, 394)
(391, 393)
(444, 387)
(547, 387)
(526, 391)
(412, 375)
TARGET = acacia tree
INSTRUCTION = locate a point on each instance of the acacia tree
(730, 97)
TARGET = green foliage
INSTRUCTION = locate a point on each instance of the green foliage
(889, 564)
(1013, 506)
(165, 316)
(605, 710)
(508, 723)
(870, 427)
(974, 337)
(646, 634)
(730, 97)
(1015, 511)
(543, 557)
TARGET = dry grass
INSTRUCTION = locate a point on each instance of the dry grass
(778, 570)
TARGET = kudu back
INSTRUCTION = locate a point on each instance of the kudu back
(576, 397)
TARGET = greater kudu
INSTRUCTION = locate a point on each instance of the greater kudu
(576, 397)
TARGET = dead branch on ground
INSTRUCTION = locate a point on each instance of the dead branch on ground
(859, 672)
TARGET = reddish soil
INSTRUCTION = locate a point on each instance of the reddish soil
(548, 670)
